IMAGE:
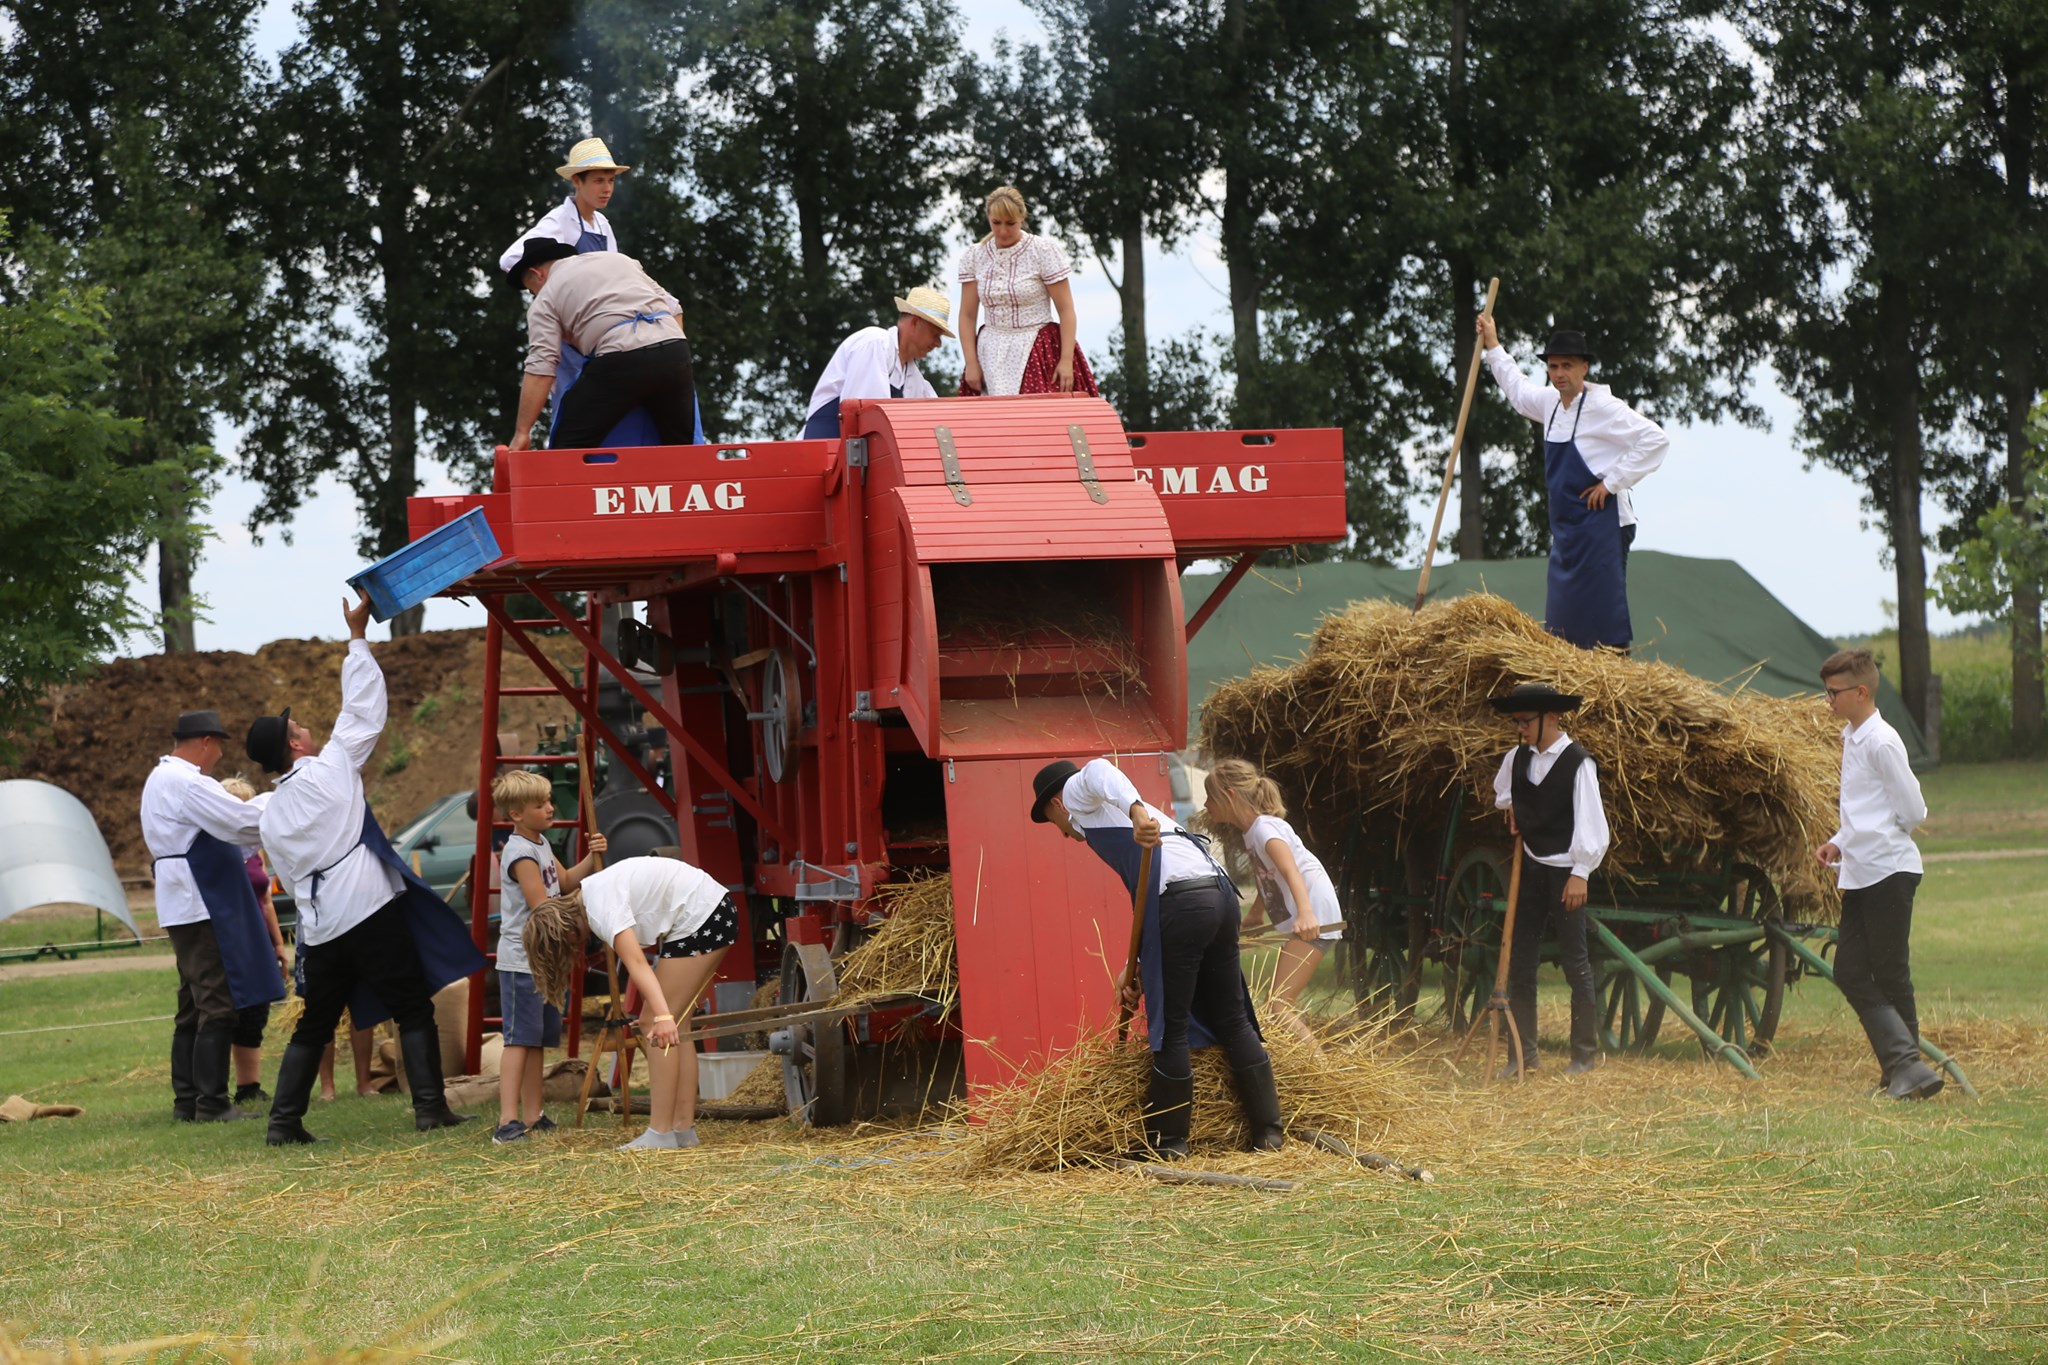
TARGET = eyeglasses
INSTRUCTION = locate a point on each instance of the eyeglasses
(1834, 692)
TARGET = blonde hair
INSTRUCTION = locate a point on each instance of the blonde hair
(1259, 791)
(239, 788)
(1859, 666)
(1006, 197)
(515, 791)
(556, 931)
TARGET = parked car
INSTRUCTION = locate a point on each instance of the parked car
(438, 843)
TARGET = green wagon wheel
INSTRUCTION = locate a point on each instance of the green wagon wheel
(1630, 1012)
(1382, 941)
(1477, 901)
(1739, 990)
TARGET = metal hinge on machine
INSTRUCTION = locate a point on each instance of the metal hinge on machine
(950, 458)
(1085, 462)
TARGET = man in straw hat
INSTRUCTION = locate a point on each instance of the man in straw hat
(604, 306)
(1550, 789)
(1188, 966)
(375, 938)
(881, 362)
(1595, 448)
(576, 221)
(196, 832)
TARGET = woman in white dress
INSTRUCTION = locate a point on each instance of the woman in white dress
(1012, 283)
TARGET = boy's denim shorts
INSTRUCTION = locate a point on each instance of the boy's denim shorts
(529, 1021)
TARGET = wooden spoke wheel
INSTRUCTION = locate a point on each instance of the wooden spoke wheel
(1630, 1012)
(1738, 991)
(1476, 905)
(1381, 943)
(817, 1068)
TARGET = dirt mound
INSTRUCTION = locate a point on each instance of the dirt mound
(105, 734)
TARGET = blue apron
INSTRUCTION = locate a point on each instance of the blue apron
(237, 916)
(636, 428)
(447, 952)
(1587, 598)
(1118, 847)
(824, 426)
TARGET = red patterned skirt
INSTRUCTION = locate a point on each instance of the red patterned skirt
(1042, 366)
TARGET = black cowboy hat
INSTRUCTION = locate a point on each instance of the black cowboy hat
(1044, 787)
(535, 251)
(1533, 696)
(1567, 344)
(268, 737)
(198, 725)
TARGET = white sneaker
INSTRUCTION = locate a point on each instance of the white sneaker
(684, 1137)
(648, 1141)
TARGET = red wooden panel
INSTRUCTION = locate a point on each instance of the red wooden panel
(1042, 923)
(427, 514)
(1034, 521)
(997, 440)
(1233, 490)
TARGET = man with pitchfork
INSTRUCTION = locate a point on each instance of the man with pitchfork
(1188, 967)
(1595, 448)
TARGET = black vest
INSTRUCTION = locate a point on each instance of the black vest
(1543, 810)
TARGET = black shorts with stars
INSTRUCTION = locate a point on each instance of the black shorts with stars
(722, 930)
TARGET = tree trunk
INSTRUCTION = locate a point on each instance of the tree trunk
(1137, 356)
(811, 190)
(1902, 418)
(1240, 220)
(174, 564)
(2017, 133)
(1463, 279)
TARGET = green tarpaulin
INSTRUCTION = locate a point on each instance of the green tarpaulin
(1707, 616)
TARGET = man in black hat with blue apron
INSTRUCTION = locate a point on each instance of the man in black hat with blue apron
(1595, 449)
(376, 939)
(1550, 788)
(196, 833)
(1188, 965)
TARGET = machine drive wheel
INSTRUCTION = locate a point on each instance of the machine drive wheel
(817, 1061)
(1474, 909)
(1630, 1013)
(780, 716)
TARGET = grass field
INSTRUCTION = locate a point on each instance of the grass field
(1660, 1209)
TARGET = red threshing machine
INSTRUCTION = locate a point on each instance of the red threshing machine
(864, 648)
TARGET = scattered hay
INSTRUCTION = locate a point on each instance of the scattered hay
(190, 1346)
(1388, 713)
(912, 952)
(1088, 1106)
(762, 1085)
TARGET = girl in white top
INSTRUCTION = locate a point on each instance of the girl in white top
(637, 905)
(1294, 890)
(1018, 279)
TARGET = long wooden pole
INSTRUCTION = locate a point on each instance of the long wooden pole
(1457, 442)
(1130, 971)
(1496, 1008)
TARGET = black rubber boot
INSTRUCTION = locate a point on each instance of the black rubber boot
(1169, 1111)
(252, 1093)
(1898, 1051)
(1261, 1103)
(421, 1048)
(296, 1072)
(213, 1061)
(184, 1094)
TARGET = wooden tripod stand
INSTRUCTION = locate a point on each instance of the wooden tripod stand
(1496, 1008)
(615, 1035)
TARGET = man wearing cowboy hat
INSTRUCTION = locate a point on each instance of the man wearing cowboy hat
(376, 939)
(576, 221)
(196, 831)
(607, 308)
(1595, 449)
(881, 362)
(1550, 789)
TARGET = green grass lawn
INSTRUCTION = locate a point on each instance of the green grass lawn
(1661, 1209)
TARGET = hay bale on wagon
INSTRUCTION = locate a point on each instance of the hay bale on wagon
(1387, 715)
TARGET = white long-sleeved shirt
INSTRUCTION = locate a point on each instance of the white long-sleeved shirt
(313, 822)
(1590, 835)
(1881, 805)
(867, 365)
(1619, 445)
(1100, 796)
(562, 224)
(178, 802)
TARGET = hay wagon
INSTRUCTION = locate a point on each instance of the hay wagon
(1701, 937)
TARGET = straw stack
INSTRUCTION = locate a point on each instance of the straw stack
(1089, 1105)
(1388, 714)
(912, 951)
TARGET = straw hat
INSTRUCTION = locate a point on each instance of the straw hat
(589, 155)
(931, 305)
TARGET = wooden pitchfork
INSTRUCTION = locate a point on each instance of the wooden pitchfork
(615, 1034)
(1496, 1008)
(1130, 973)
(1451, 464)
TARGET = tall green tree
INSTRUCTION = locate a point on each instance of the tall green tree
(124, 125)
(401, 145)
(79, 508)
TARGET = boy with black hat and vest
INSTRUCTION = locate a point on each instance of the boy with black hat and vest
(376, 939)
(1189, 971)
(196, 833)
(1550, 788)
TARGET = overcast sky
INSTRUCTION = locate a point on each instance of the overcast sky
(1726, 491)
